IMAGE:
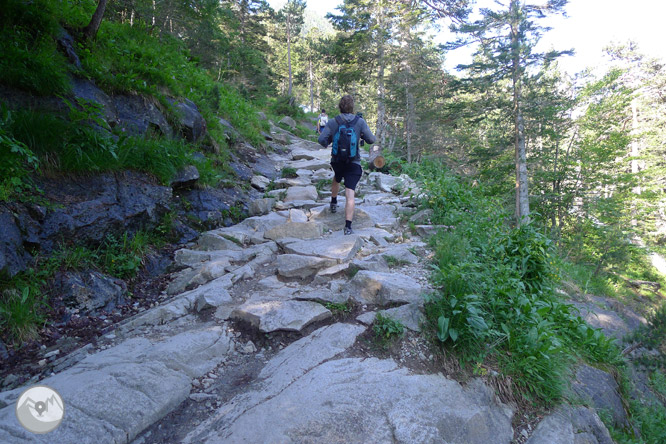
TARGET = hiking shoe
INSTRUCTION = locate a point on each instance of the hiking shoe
(347, 231)
(334, 207)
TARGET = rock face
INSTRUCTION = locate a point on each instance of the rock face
(86, 209)
(600, 390)
(13, 258)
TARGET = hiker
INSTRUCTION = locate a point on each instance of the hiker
(322, 121)
(346, 131)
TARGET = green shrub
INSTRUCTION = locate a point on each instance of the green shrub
(21, 313)
(288, 172)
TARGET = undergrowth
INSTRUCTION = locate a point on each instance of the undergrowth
(495, 302)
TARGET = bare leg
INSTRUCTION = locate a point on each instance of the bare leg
(349, 203)
(335, 188)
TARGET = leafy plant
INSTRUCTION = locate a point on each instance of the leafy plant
(338, 309)
(21, 313)
(17, 164)
(386, 329)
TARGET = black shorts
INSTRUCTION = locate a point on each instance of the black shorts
(350, 172)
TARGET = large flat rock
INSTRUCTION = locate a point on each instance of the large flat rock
(296, 265)
(286, 315)
(382, 215)
(377, 288)
(336, 221)
(339, 248)
(115, 394)
(301, 193)
(297, 230)
(367, 401)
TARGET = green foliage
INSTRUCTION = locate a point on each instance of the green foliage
(387, 329)
(21, 312)
(75, 146)
(285, 106)
(393, 261)
(338, 309)
(650, 421)
(29, 58)
(288, 172)
(653, 336)
(495, 296)
(17, 164)
(235, 213)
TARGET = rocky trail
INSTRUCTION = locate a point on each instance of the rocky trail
(264, 336)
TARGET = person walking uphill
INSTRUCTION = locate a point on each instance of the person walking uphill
(344, 132)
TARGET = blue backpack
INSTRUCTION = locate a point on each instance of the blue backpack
(345, 141)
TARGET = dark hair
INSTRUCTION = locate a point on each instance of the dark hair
(346, 104)
(323, 111)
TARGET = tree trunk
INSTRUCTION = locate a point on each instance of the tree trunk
(381, 107)
(90, 31)
(522, 196)
(375, 158)
(289, 55)
(311, 86)
(635, 152)
(408, 117)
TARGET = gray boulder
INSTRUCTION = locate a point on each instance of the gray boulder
(338, 248)
(259, 207)
(296, 193)
(296, 265)
(260, 182)
(191, 122)
(138, 114)
(336, 221)
(571, 425)
(185, 178)
(371, 287)
(276, 315)
(112, 396)
(90, 291)
(286, 120)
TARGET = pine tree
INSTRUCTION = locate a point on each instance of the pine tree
(507, 38)
(291, 17)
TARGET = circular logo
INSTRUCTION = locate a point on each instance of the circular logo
(40, 409)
